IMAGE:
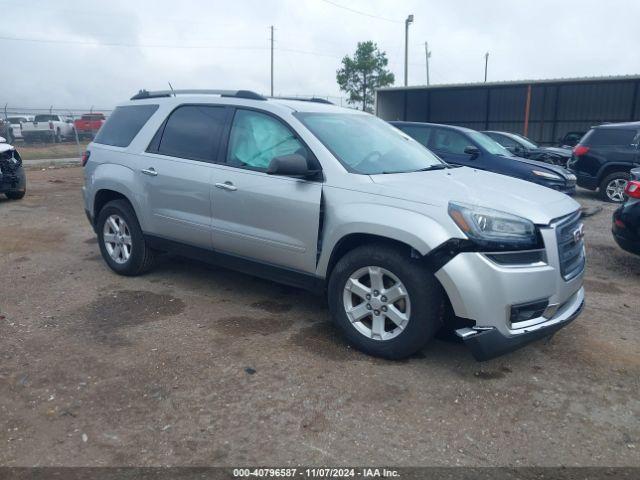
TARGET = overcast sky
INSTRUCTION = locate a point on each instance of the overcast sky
(75, 54)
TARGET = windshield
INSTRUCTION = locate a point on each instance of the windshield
(525, 141)
(366, 145)
(489, 144)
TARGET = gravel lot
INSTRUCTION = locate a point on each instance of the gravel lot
(193, 365)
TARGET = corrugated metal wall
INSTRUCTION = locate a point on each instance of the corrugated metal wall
(556, 107)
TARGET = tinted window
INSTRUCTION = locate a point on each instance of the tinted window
(124, 124)
(256, 138)
(609, 136)
(193, 131)
(421, 134)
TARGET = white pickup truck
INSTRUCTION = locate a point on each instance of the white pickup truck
(48, 128)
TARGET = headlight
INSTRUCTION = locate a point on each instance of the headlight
(547, 175)
(493, 229)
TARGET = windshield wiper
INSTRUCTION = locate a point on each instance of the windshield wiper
(437, 166)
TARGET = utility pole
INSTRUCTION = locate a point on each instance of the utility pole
(271, 60)
(407, 22)
(486, 65)
(427, 55)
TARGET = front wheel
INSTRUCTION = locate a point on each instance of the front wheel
(613, 185)
(121, 241)
(386, 303)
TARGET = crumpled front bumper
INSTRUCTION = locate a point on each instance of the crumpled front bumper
(490, 343)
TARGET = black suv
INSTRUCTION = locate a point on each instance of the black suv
(603, 158)
(463, 146)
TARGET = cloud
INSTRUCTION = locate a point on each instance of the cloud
(150, 43)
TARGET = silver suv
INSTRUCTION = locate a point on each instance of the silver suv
(336, 201)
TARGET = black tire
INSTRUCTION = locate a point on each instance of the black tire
(142, 256)
(425, 293)
(608, 179)
(58, 137)
(16, 195)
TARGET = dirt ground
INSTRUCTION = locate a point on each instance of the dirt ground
(193, 365)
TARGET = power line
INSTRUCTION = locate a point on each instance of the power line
(359, 12)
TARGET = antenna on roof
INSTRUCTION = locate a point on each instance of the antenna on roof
(172, 90)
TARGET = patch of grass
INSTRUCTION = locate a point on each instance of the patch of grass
(37, 151)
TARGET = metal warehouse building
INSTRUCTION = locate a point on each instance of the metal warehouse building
(543, 110)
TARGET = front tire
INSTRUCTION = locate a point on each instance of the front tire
(387, 304)
(612, 187)
(121, 241)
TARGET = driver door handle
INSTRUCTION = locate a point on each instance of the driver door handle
(149, 171)
(227, 186)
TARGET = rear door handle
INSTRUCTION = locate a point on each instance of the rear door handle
(149, 171)
(227, 186)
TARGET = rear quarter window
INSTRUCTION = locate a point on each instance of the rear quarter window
(124, 124)
(609, 136)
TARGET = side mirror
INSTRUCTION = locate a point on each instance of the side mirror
(293, 165)
(472, 150)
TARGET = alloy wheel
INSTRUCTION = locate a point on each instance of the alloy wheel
(117, 239)
(376, 303)
(615, 189)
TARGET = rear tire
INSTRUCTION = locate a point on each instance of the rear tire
(422, 305)
(15, 195)
(124, 248)
(612, 187)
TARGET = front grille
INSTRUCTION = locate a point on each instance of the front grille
(569, 234)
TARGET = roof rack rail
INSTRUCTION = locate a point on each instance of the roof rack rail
(248, 94)
(306, 99)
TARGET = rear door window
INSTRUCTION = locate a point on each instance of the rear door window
(124, 124)
(193, 132)
(609, 136)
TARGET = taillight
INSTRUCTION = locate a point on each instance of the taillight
(50, 125)
(633, 189)
(85, 157)
(580, 150)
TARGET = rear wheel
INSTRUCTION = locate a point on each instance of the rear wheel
(121, 241)
(386, 303)
(613, 185)
(15, 195)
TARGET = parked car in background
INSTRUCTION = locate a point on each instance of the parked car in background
(603, 158)
(521, 146)
(570, 139)
(13, 181)
(337, 201)
(463, 146)
(626, 219)
(88, 124)
(48, 128)
(6, 130)
(16, 124)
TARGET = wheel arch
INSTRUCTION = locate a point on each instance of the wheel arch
(609, 168)
(111, 182)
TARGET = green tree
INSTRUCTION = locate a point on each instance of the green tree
(361, 74)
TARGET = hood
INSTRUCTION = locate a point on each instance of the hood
(563, 172)
(477, 187)
(562, 152)
(5, 147)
